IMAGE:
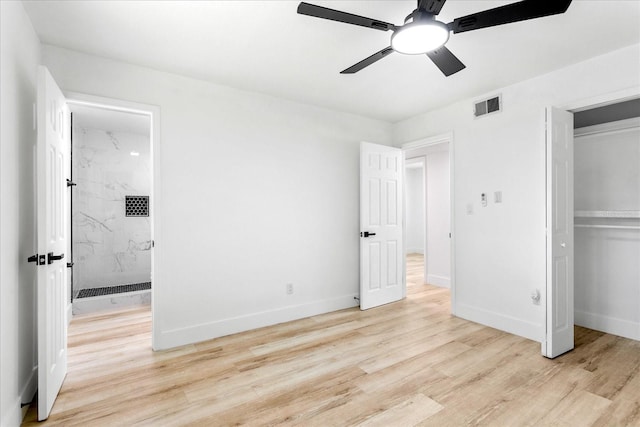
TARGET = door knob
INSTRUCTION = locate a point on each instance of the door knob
(366, 234)
(51, 257)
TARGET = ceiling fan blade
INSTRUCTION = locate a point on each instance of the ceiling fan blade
(432, 6)
(368, 61)
(520, 11)
(348, 18)
(446, 61)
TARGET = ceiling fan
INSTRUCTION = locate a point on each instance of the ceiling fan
(423, 34)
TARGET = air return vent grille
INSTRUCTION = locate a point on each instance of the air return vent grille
(487, 106)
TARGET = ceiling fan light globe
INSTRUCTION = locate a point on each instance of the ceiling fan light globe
(418, 38)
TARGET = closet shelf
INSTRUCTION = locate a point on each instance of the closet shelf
(617, 227)
(606, 214)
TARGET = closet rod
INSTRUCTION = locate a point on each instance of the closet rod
(620, 227)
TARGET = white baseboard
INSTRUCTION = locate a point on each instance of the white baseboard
(522, 328)
(206, 331)
(442, 281)
(13, 415)
(610, 325)
(28, 392)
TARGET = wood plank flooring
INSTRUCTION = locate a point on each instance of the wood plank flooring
(403, 364)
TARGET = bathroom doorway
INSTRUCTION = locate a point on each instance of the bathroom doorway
(110, 215)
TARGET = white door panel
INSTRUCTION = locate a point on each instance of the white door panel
(559, 313)
(381, 244)
(52, 163)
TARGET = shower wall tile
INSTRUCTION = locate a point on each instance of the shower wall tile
(109, 248)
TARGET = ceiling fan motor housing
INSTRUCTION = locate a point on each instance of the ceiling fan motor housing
(421, 33)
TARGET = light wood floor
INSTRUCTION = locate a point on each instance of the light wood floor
(407, 363)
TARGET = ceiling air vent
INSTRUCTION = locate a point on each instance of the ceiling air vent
(487, 106)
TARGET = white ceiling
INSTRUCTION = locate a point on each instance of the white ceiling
(265, 46)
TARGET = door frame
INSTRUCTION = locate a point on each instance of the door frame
(447, 137)
(421, 161)
(153, 112)
(575, 106)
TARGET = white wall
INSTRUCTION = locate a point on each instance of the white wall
(607, 261)
(256, 192)
(438, 219)
(607, 167)
(500, 249)
(415, 202)
(20, 52)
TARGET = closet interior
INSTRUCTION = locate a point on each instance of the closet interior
(607, 218)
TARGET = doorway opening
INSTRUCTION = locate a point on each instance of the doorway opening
(111, 211)
(607, 218)
(591, 197)
(428, 207)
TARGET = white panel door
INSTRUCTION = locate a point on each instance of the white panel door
(53, 149)
(559, 301)
(381, 225)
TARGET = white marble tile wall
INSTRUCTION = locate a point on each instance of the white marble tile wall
(109, 248)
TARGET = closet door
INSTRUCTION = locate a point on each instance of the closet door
(559, 171)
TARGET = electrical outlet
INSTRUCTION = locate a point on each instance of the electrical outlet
(289, 288)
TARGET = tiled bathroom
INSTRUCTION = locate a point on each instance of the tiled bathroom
(110, 210)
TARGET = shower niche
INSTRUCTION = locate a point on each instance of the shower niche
(110, 216)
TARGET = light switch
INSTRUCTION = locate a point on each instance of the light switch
(469, 208)
(497, 196)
